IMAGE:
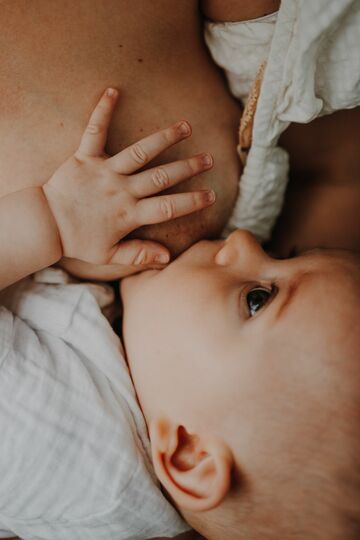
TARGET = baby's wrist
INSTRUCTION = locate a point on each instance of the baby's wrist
(51, 233)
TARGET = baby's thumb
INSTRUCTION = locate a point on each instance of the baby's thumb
(140, 253)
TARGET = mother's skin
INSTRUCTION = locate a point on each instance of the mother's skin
(56, 58)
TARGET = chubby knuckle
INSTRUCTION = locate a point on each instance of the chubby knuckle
(76, 161)
(167, 207)
(125, 216)
(197, 199)
(192, 166)
(138, 153)
(169, 135)
(103, 107)
(160, 178)
(140, 257)
(94, 129)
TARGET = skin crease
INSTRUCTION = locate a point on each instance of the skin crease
(240, 388)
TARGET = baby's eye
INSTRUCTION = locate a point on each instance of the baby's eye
(257, 298)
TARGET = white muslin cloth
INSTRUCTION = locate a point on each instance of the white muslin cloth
(312, 59)
(74, 452)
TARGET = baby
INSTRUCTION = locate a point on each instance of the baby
(215, 344)
(247, 370)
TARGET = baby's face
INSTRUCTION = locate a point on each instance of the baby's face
(227, 336)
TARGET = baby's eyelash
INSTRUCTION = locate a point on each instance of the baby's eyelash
(294, 252)
(253, 288)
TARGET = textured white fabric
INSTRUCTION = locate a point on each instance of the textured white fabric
(248, 42)
(313, 68)
(74, 453)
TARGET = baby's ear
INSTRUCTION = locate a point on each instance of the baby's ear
(194, 469)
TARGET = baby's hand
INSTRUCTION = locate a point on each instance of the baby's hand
(96, 200)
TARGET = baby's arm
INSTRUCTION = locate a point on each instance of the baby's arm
(93, 201)
(238, 10)
(29, 236)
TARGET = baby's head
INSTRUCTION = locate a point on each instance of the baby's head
(247, 369)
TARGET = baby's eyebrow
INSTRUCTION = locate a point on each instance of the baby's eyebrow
(292, 291)
(288, 299)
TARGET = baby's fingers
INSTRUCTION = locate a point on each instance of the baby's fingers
(94, 138)
(154, 180)
(139, 254)
(166, 207)
(139, 154)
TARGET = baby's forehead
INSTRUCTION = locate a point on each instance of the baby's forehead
(325, 299)
(339, 260)
(334, 271)
(320, 329)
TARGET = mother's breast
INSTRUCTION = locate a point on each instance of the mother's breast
(57, 57)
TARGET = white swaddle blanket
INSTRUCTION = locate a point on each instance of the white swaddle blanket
(74, 453)
(313, 68)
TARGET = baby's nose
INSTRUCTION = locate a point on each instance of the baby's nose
(241, 246)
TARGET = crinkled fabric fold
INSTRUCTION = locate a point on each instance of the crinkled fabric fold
(312, 69)
(74, 454)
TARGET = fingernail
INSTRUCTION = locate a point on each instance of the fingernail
(207, 160)
(210, 196)
(162, 258)
(184, 128)
(111, 92)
